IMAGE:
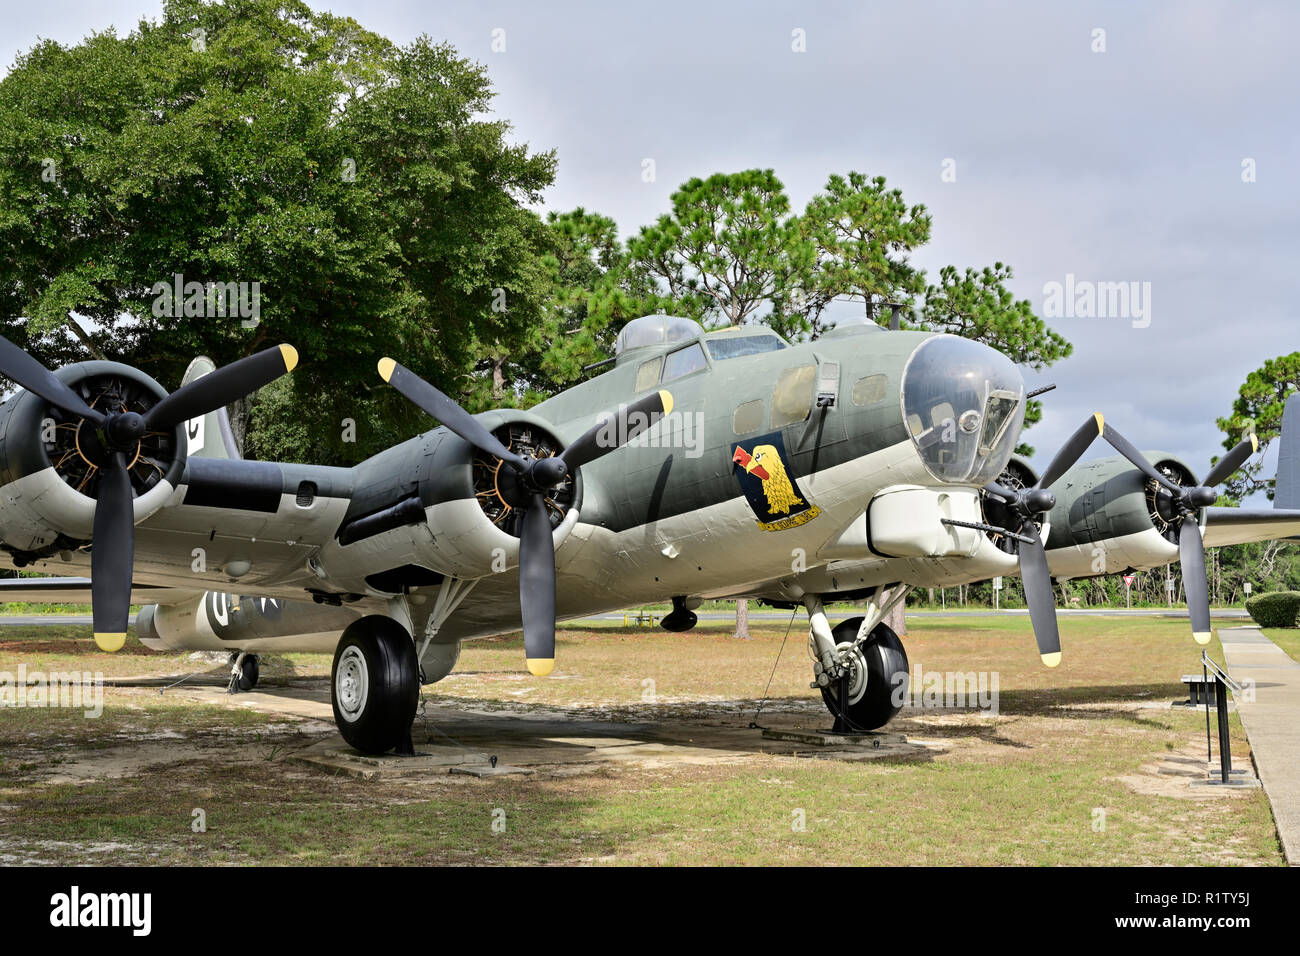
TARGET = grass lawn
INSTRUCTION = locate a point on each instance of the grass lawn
(1022, 787)
(1287, 638)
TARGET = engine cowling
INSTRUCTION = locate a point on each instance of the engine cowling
(456, 514)
(48, 481)
(1110, 517)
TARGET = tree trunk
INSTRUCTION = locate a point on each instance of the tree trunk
(896, 619)
(84, 339)
(239, 412)
(742, 620)
(498, 377)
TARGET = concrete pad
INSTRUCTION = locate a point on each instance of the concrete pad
(335, 756)
(1272, 722)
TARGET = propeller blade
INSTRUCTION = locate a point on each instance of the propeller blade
(1073, 450)
(23, 370)
(1191, 555)
(455, 418)
(218, 389)
(1136, 458)
(112, 557)
(1037, 580)
(537, 587)
(621, 426)
(1230, 462)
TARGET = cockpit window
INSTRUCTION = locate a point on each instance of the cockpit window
(684, 362)
(962, 402)
(735, 346)
(998, 414)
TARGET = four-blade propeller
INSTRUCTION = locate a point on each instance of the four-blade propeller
(110, 439)
(1184, 502)
(536, 477)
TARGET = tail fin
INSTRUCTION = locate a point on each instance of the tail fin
(211, 435)
(1286, 493)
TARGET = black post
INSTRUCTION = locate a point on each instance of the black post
(1225, 745)
(1205, 696)
(842, 717)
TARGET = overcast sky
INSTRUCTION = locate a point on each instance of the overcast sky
(1117, 166)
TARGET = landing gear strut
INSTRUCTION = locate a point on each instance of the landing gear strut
(375, 685)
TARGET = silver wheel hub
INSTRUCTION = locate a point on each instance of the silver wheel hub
(852, 658)
(351, 684)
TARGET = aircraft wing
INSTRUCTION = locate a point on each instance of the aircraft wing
(1240, 525)
(77, 591)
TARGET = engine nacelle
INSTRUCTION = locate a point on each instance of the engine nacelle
(1110, 517)
(48, 485)
(457, 514)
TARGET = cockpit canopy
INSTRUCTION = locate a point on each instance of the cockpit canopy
(963, 405)
(656, 330)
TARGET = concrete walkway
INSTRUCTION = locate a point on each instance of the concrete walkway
(1272, 723)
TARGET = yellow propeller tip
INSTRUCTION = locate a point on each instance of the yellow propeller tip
(110, 642)
(290, 355)
(1051, 660)
(1101, 422)
(1201, 637)
(667, 398)
(1254, 443)
(540, 666)
(386, 368)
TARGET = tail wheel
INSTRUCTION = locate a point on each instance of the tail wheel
(878, 676)
(249, 673)
(375, 684)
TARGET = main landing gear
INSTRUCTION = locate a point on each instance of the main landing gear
(860, 665)
(375, 685)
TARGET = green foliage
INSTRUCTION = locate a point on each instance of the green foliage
(977, 305)
(256, 141)
(1275, 609)
(727, 249)
(860, 234)
(595, 288)
(1258, 409)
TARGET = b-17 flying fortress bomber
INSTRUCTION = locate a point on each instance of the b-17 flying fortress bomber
(699, 465)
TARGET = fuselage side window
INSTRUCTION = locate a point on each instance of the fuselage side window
(748, 417)
(792, 398)
(869, 389)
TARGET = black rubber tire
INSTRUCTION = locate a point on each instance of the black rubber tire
(249, 672)
(393, 689)
(887, 669)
